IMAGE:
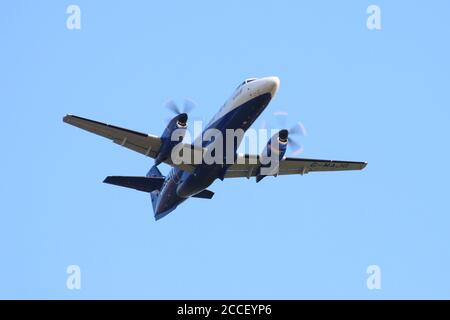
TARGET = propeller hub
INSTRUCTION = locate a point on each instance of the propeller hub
(283, 135)
(182, 119)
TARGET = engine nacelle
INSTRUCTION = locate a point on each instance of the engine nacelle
(275, 150)
(177, 123)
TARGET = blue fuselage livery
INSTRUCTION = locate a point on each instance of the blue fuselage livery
(239, 112)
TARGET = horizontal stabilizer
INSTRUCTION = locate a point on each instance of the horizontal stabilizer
(146, 184)
(205, 194)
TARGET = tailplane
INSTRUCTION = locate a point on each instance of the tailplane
(146, 184)
(151, 183)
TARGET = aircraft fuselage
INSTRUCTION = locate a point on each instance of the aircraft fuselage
(239, 112)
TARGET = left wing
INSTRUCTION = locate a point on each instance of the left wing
(143, 143)
(248, 166)
(137, 141)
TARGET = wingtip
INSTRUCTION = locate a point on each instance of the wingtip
(67, 117)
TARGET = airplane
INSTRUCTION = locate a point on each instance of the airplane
(191, 179)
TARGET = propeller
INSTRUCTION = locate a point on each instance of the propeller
(188, 106)
(298, 129)
(184, 113)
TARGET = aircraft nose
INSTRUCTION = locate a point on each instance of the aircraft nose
(272, 84)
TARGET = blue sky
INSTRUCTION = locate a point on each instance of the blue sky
(380, 96)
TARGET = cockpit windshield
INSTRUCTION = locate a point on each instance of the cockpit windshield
(246, 81)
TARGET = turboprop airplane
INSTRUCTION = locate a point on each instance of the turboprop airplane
(191, 178)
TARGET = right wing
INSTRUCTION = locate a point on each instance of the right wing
(248, 165)
(143, 143)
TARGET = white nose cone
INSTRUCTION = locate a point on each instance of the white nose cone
(272, 84)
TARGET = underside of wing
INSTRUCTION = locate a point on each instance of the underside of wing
(143, 143)
(137, 141)
(300, 165)
(248, 166)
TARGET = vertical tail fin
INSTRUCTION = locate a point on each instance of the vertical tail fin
(154, 172)
(154, 195)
